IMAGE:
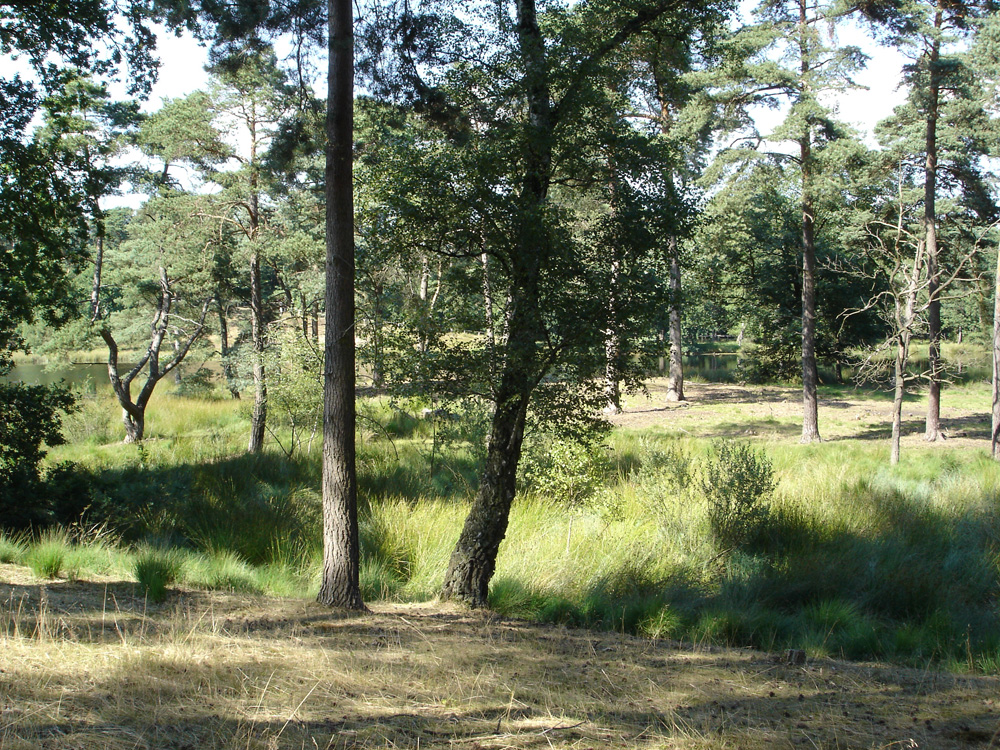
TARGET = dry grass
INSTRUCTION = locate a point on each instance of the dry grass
(774, 412)
(91, 665)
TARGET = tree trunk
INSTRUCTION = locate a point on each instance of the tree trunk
(995, 443)
(227, 366)
(810, 375)
(95, 291)
(612, 346)
(258, 417)
(135, 425)
(933, 425)
(473, 561)
(340, 584)
(675, 380)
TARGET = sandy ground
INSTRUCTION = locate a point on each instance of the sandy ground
(775, 412)
(91, 665)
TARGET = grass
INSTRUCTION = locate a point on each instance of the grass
(851, 558)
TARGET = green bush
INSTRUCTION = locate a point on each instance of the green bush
(738, 483)
(563, 469)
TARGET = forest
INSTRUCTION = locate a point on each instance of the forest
(488, 374)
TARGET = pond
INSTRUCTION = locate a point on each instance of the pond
(86, 377)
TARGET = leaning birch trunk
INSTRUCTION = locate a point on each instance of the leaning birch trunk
(675, 379)
(996, 364)
(258, 417)
(612, 346)
(473, 560)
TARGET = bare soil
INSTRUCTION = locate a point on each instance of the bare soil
(88, 664)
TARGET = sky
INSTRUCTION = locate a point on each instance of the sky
(183, 60)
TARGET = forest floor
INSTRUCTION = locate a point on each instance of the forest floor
(719, 410)
(89, 664)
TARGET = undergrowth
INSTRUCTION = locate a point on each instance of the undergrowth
(773, 545)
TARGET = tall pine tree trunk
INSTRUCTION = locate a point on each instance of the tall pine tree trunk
(933, 425)
(675, 379)
(810, 375)
(340, 584)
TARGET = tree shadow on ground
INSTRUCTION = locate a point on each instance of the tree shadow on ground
(243, 672)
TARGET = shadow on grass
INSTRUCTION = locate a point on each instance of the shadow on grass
(976, 427)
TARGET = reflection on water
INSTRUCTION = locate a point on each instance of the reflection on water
(87, 377)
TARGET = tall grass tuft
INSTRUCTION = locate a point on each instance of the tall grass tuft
(155, 569)
(48, 555)
(12, 548)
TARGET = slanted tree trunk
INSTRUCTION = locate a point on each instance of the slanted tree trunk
(675, 379)
(905, 316)
(134, 411)
(340, 583)
(995, 443)
(258, 417)
(932, 430)
(473, 560)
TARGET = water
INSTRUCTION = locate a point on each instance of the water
(86, 377)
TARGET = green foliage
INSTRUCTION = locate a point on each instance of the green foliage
(155, 569)
(561, 469)
(29, 417)
(737, 482)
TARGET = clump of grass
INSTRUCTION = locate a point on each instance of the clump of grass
(155, 569)
(48, 555)
(225, 570)
(664, 622)
(12, 548)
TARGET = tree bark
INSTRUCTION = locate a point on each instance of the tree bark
(810, 375)
(473, 560)
(227, 366)
(612, 345)
(258, 417)
(675, 379)
(932, 430)
(340, 583)
(995, 442)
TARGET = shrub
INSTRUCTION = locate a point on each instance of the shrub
(564, 469)
(737, 483)
(154, 570)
